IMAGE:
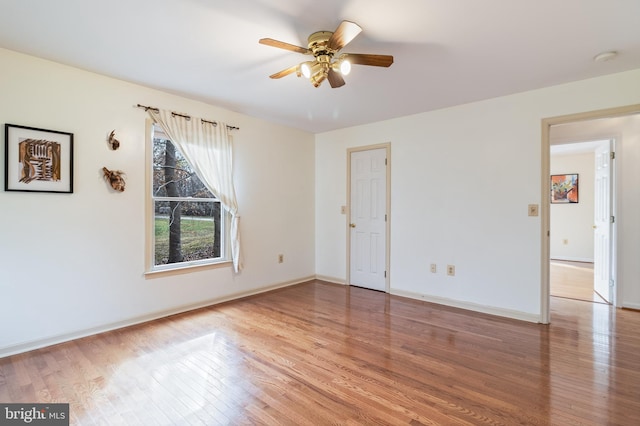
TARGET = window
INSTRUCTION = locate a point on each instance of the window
(187, 220)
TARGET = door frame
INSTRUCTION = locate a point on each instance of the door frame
(387, 147)
(545, 222)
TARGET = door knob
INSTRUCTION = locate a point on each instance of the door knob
(595, 227)
(353, 225)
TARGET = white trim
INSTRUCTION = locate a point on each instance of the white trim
(332, 280)
(545, 225)
(49, 341)
(485, 309)
(573, 259)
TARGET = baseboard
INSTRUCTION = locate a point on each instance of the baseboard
(491, 310)
(572, 259)
(633, 306)
(331, 279)
(41, 343)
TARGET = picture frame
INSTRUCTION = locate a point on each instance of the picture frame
(564, 189)
(37, 160)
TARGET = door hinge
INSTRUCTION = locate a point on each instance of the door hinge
(612, 155)
(611, 282)
(385, 274)
(385, 217)
(612, 219)
(385, 161)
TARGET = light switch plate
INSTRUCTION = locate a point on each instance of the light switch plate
(533, 210)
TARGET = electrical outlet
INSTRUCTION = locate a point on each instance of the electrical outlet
(565, 242)
(434, 268)
(281, 258)
(451, 270)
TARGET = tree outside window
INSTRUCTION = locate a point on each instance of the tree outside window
(187, 216)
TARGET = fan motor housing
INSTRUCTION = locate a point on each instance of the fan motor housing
(318, 43)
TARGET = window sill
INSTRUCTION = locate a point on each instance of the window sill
(178, 270)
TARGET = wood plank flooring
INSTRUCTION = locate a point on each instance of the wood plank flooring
(573, 280)
(324, 354)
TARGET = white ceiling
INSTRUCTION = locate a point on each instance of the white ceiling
(585, 136)
(446, 52)
(575, 148)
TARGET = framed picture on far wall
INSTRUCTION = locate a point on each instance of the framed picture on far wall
(564, 189)
(37, 160)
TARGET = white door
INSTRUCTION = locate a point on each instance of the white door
(602, 282)
(368, 205)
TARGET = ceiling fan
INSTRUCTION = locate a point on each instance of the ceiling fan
(327, 64)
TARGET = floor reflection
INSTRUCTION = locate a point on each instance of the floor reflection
(194, 377)
(584, 352)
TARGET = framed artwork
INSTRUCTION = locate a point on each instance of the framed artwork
(564, 189)
(37, 160)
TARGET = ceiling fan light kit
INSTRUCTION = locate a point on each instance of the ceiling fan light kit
(345, 66)
(324, 46)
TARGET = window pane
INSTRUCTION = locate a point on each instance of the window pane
(173, 175)
(186, 231)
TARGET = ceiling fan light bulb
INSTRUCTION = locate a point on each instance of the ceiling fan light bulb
(305, 69)
(345, 67)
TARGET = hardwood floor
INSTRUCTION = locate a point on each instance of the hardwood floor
(573, 280)
(319, 353)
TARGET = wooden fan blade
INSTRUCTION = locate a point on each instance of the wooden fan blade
(366, 59)
(286, 46)
(345, 32)
(335, 79)
(284, 73)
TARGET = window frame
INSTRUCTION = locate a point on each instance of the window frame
(171, 268)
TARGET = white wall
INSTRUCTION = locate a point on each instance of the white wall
(73, 264)
(461, 180)
(572, 224)
(626, 133)
(462, 177)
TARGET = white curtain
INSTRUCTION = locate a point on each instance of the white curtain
(208, 148)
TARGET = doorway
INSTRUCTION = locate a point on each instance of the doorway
(581, 231)
(622, 124)
(368, 192)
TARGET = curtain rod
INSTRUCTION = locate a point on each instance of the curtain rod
(188, 117)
